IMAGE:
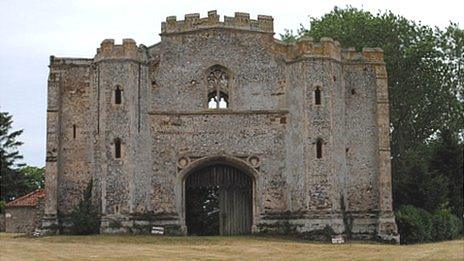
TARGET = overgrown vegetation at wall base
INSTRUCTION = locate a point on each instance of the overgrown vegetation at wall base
(84, 218)
(417, 225)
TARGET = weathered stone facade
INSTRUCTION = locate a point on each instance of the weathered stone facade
(284, 103)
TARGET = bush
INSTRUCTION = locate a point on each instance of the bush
(446, 226)
(414, 224)
(84, 217)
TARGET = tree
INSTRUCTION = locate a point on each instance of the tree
(447, 160)
(35, 176)
(15, 179)
(8, 155)
(8, 143)
(416, 185)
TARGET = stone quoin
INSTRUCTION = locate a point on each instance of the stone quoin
(307, 122)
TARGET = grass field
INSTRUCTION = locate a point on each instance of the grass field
(109, 247)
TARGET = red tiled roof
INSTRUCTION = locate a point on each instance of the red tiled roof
(28, 200)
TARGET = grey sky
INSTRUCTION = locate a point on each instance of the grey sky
(31, 31)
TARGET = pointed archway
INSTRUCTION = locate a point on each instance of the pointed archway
(218, 201)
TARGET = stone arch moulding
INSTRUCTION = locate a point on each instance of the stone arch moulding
(235, 162)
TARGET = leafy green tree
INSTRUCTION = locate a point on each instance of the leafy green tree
(416, 185)
(451, 43)
(447, 160)
(13, 184)
(35, 176)
(19, 182)
(411, 175)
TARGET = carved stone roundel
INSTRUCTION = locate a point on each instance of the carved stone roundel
(183, 162)
(254, 161)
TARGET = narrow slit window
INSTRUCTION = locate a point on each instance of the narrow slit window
(74, 131)
(118, 95)
(319, 148)
(317, 96)
(117, 148)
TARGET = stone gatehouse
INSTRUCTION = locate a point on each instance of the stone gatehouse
(222, 129)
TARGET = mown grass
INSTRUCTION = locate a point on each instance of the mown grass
(131, 247)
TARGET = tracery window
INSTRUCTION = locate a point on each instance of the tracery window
(218, 89)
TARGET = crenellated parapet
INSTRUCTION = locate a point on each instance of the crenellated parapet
(306, 47)
(127, 50)
(371, 55)
(241, 21)
(327, 48)
(58, 62)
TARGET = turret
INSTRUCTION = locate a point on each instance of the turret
(121, 73)
(128, 50)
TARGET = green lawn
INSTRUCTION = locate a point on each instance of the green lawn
(117, 247)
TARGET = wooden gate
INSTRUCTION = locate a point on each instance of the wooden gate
(219, 201)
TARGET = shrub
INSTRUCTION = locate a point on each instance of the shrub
(446, 226)
(84, 217)
(414, 224)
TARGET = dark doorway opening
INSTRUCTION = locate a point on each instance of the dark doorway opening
(218, 201)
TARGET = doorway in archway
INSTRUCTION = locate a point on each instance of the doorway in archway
(218, 201)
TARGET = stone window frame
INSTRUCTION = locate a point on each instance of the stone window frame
(121, 149)
(74, 131)
(319, 148)
(113, 95)
(228, 93)
(316, 87)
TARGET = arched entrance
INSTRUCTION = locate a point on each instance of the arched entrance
(218, 201)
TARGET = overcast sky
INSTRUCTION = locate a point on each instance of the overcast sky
(31, 31)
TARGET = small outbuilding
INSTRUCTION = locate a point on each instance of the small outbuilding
(23, 214)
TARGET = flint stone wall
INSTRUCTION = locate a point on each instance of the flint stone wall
(271, 127)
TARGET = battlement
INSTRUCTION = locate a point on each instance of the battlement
(241, 21)
(374, 55)
(306, 47)
(127, 50)
(66, 61)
